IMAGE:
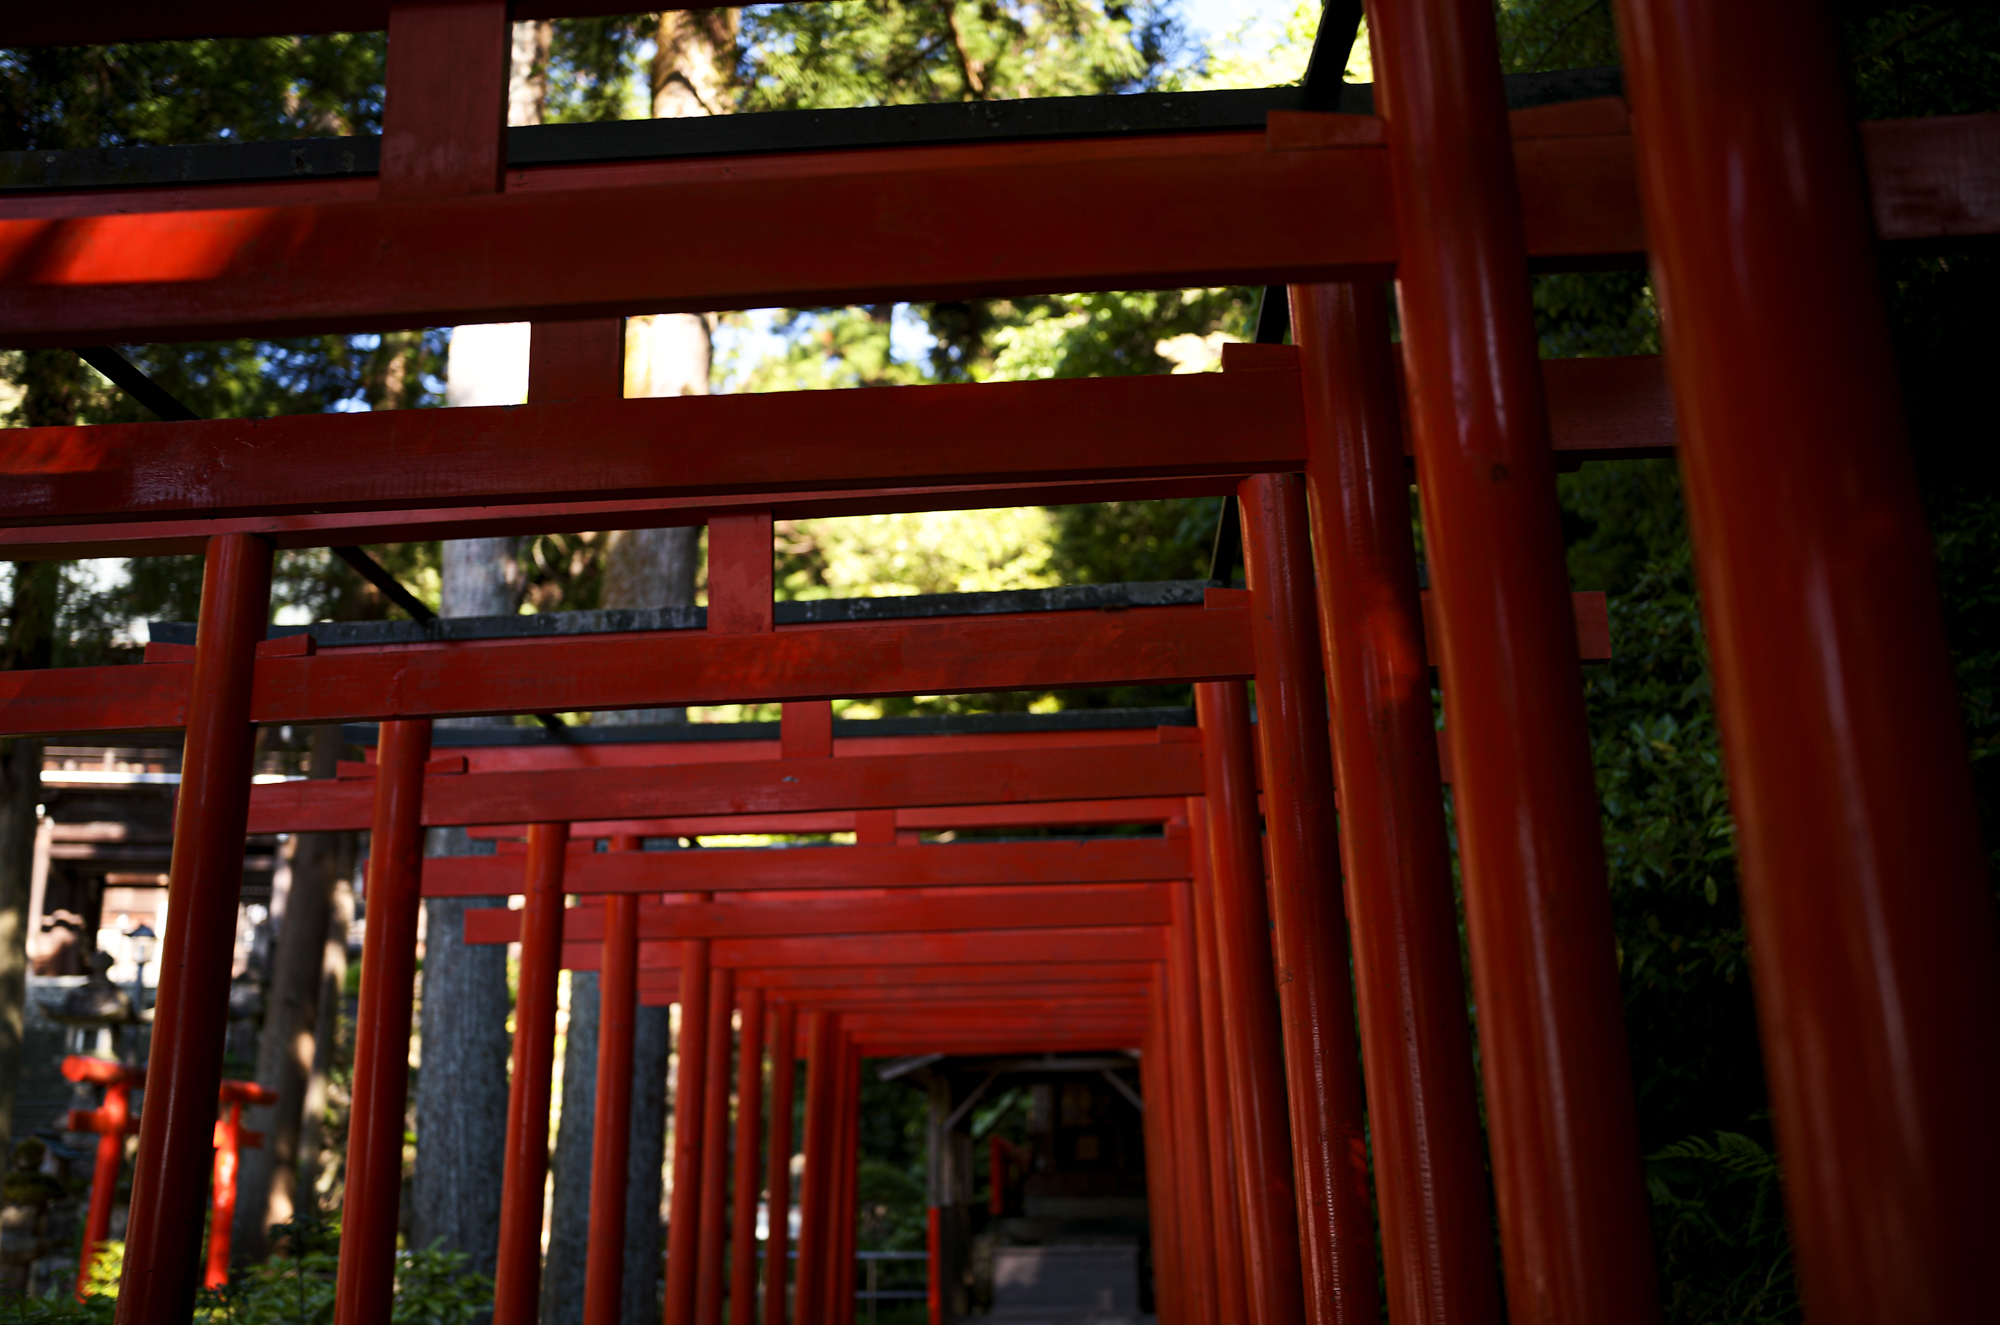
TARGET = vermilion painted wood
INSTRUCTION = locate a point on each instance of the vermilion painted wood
(778, 1160)
(1163, 1202)
(749, 1141)
(1079, 814)
(821, 1030)
(444, 108)
(691, 1057)
(517, 1278)
(848, 1152)
(1329, 1136)
(365, 1290)
(1160, 769)
(1120, 943)
(1573, 1211)
(611, 1129)
(1865, 890)
(309, 529)
(1195, 1202)
(1233, 1297)
(878, 222)
(1601, 408)
(1429, 1156)
(1066, 649)
(1264, 1176)
(878, 229)
(973, 864)
(894, 912)
(205, 880)
(1039, 431)
(710, 1278)
(949, 1003)
(739, 575)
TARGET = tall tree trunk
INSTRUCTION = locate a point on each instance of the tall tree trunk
(52, 383)
(462, 1028)
(666, 354)
(267, 1183)
(315, 1134)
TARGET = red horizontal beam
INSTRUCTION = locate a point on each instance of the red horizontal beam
(767, 786)
(938, 656)
(1057, 814)
(898, 1044)
(304, 529)
(1072, 994)
(105, 22)
(760, 869)
(1599, 408)
(992, 948)
(813, 229)
(810, 229)
(1085, 428)
(1059, 908)
(790, 982)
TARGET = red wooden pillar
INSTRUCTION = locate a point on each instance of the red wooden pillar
(778, 1167)
(205, 882)
(749, 1138)
(112, 1121)
(715, 1149)
(517, 1278)
(232, 1138)
(815, 1200)
(684, 1203)
(1329, 1144)
(1162, 1193)
(1191, 1122)
(365, 1289)
(1864, 883)
(846, 1225)
(1562, 1125)
(611, 1127)
(1250, 1007)
(1232, 1283)
(1423, 1105)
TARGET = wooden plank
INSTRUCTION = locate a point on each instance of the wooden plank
(1077, 429)
(936, 656)
(1066, 814)
(896, 913)
(820, 228)
(1135, 943)
(805, 869)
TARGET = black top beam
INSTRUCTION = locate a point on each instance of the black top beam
(437, 630)
(951, 724)
(744, 135)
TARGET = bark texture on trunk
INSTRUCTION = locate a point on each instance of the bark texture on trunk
(267, 1182)
(52, 386)
(315, 1138)
(462, 1083)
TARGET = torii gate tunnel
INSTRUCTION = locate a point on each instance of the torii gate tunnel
(1729, 163)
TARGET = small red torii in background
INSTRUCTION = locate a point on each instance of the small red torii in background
(114, 1120)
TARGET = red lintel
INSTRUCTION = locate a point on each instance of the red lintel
(813, 229)
(952, 655)
(956, 865)
(897, 912)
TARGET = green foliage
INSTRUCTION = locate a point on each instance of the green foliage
(886, 52)
(158, 93)
(1720, 1223)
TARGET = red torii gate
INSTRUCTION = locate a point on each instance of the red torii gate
(807, 730)
(1860, 853)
